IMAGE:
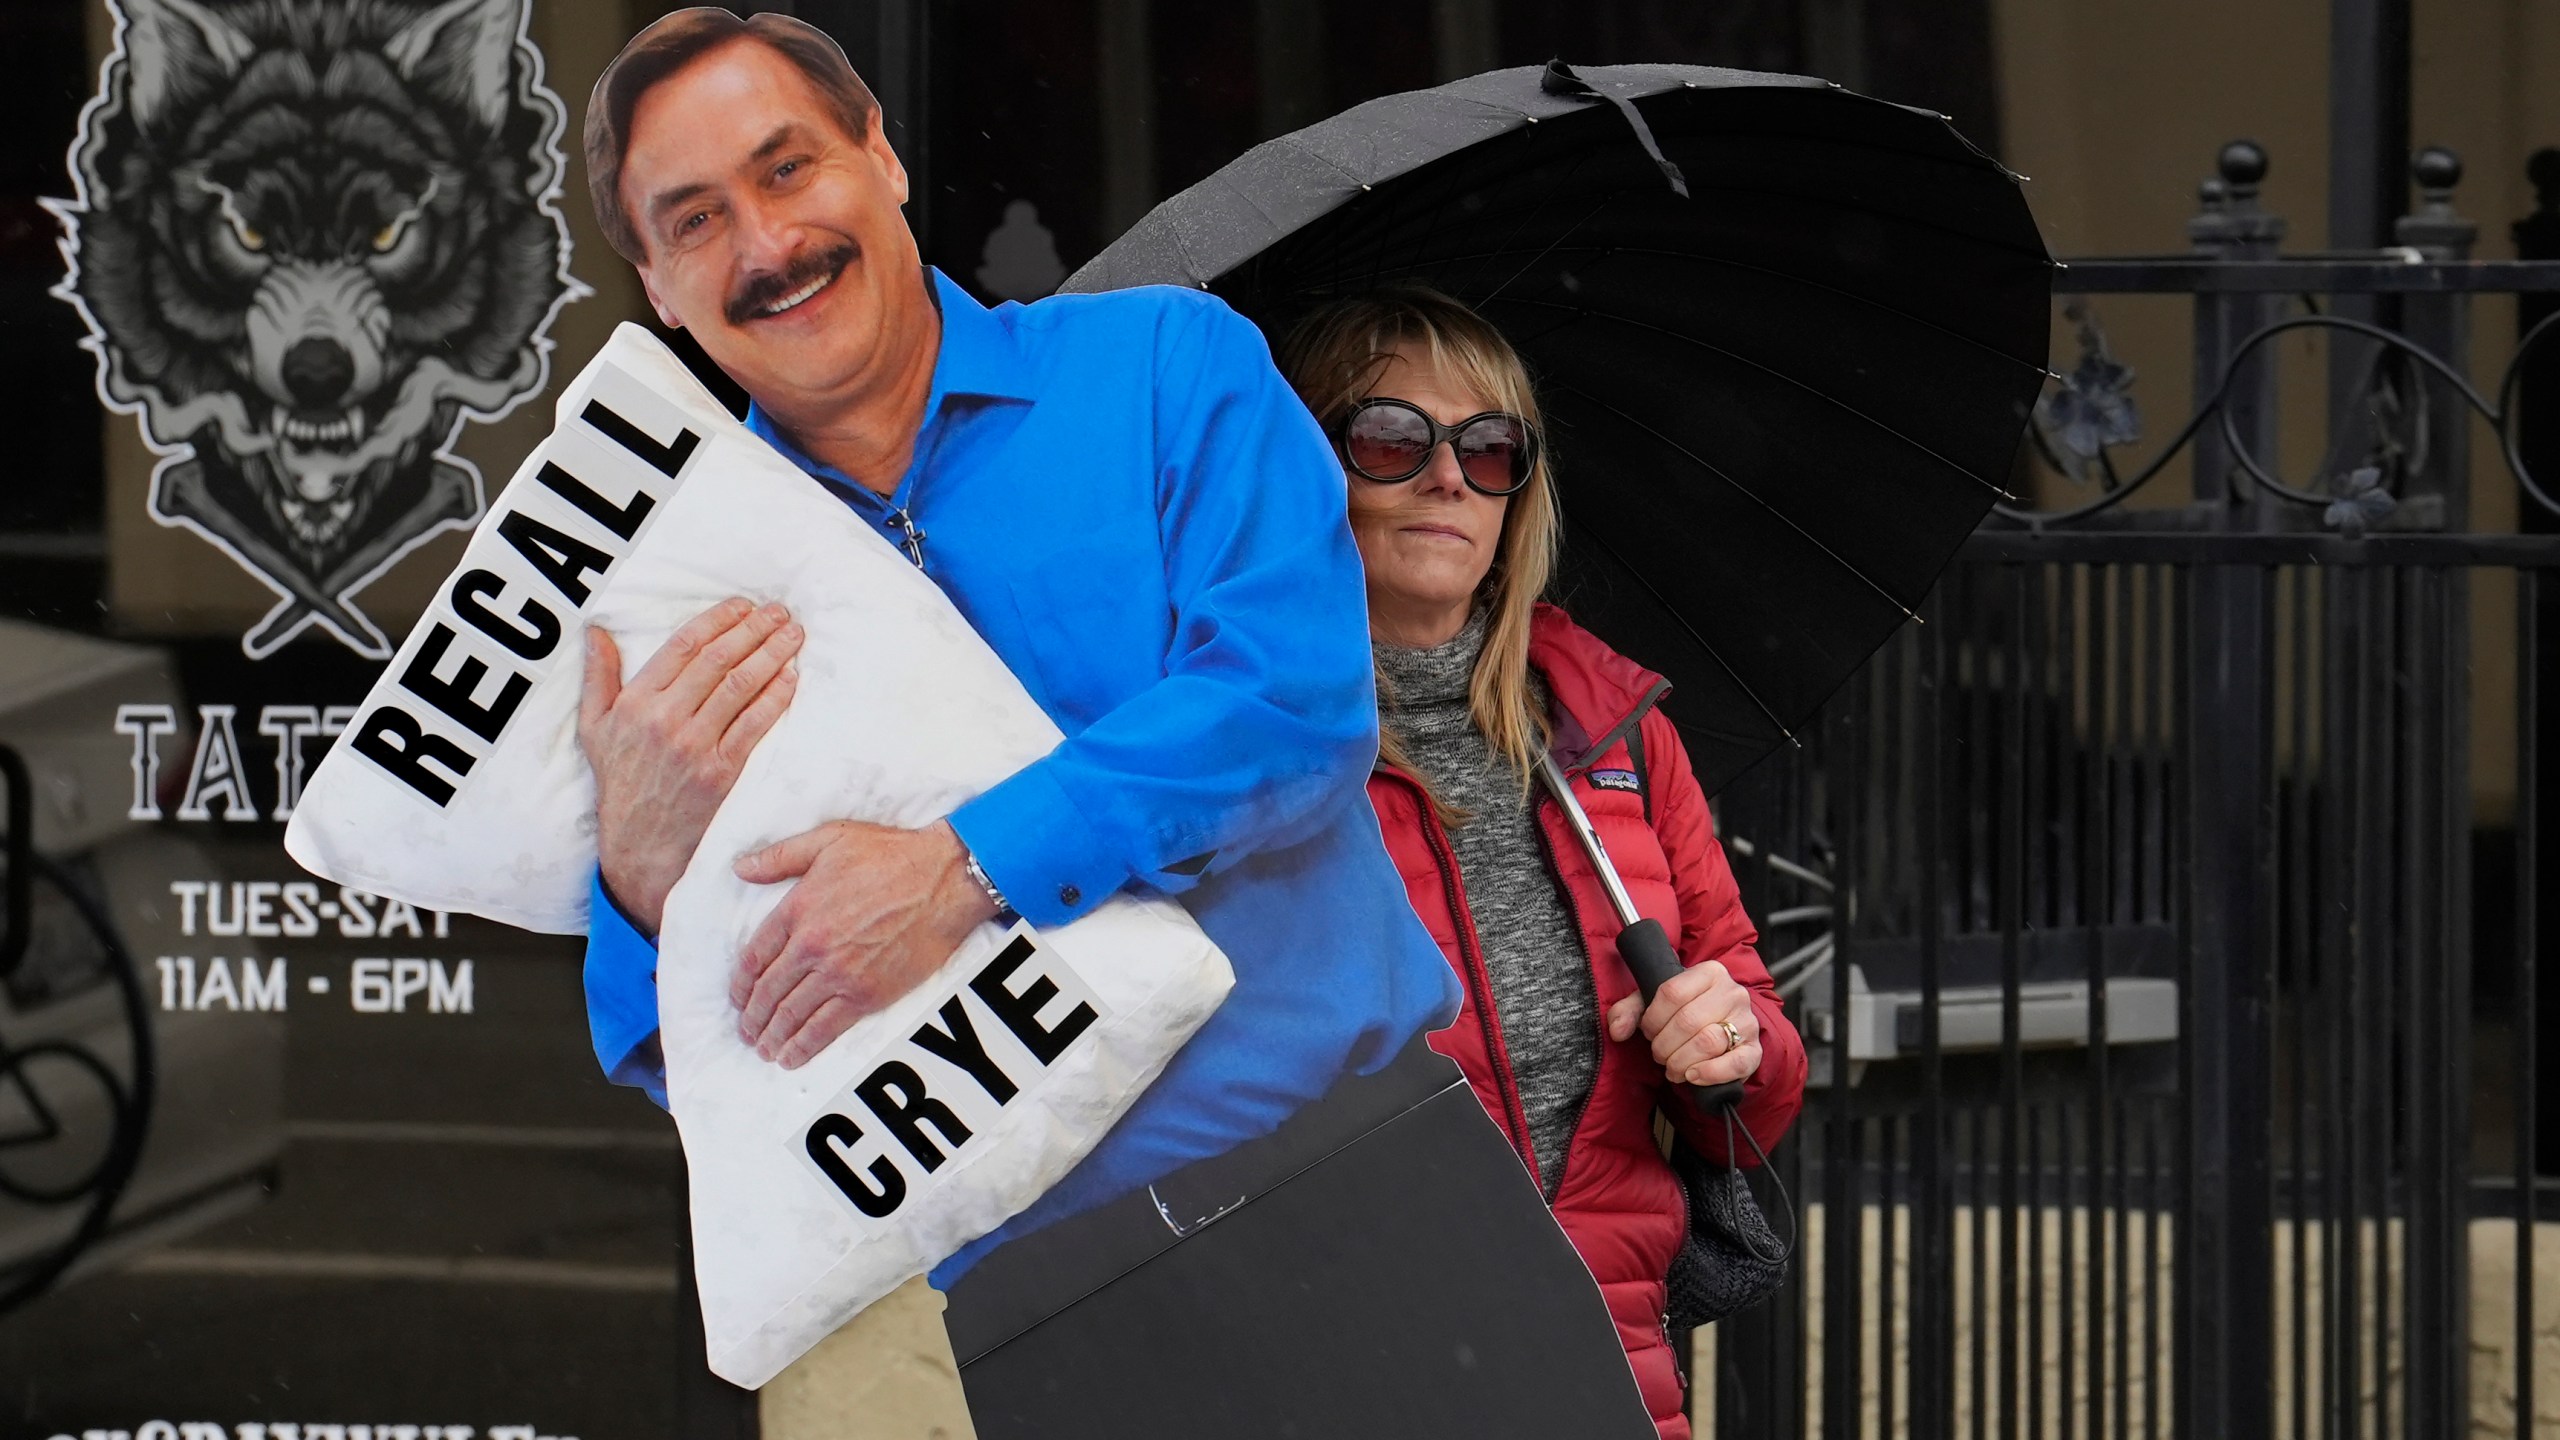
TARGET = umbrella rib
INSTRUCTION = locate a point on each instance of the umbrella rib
(1292, 143)
(1972, 159)
(1704, 643)
(1567, 233)
(1190, 263)
(1748, 493)
(1776, 374)
(1366, 186)
(1711, 182)
(1430, 233)
(1811, 284)
(1246, 195)
(1437, 213)
(1442, 92)
(1527, 215)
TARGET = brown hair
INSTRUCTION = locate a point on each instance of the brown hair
(1332, 357)
(669, 45)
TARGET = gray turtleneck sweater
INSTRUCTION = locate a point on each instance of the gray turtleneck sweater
(1533, 956)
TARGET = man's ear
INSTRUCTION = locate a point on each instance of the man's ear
(649, 288)
(876, 142)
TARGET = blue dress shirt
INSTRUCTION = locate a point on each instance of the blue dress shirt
(1131, 506)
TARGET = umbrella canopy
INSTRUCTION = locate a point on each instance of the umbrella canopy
(1786, 336)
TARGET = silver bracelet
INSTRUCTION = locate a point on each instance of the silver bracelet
(978, 873)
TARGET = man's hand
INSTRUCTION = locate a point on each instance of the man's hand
(666, 747)
(877, 909)
(1681, 1022)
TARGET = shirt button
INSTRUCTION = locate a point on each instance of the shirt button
(1069, 895)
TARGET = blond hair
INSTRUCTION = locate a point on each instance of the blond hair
(1333, 357)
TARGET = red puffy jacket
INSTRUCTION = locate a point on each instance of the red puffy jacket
(1617, 1198)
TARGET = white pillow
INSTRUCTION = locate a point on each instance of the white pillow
(461, 787)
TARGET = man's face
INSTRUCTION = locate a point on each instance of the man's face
(769, 232)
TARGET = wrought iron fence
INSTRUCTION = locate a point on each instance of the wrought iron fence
(2169, 1078)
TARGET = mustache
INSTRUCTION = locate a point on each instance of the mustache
(757, 293)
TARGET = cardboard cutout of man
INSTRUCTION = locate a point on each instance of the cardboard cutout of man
(1125, 500)
(1130, 505)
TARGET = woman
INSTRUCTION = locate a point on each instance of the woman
(1454, 512)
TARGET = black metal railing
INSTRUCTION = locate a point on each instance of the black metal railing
(2171, 1077)
(72, 1206)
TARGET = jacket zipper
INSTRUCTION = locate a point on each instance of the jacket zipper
(1516, 1117)
(1590, 962)
(1462, 925)
(1680, 1184)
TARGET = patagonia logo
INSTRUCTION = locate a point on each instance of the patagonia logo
(1616, 780)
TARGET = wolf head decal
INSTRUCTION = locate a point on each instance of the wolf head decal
(310, 238)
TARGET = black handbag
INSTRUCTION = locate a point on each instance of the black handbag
(1731, 1258)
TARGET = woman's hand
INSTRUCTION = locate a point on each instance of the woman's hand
(1683, 1024)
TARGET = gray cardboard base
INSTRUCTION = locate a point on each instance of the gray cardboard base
(1403, 1280)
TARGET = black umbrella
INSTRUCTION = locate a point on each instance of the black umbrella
(1787, 338)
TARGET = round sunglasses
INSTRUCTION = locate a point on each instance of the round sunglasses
(1389, 441)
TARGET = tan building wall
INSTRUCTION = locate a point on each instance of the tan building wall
(2116, 111)
(2056, 1378)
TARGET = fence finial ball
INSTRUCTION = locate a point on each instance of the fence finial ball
(2543, 170)
(2436, 168)
(2243, 163)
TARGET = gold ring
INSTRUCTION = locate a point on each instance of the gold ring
(1732, 1037)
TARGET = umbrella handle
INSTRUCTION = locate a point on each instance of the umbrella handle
(1647, 951)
